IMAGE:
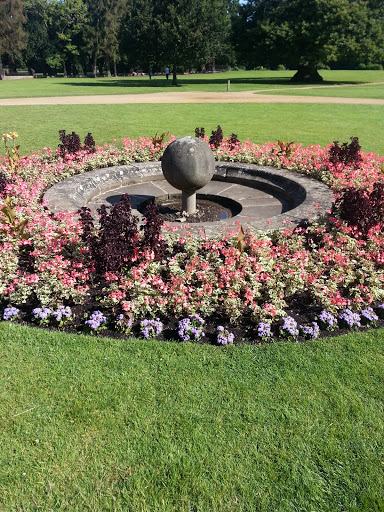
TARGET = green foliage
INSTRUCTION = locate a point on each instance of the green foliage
(306, 33)
(180, 34)
(16, 226)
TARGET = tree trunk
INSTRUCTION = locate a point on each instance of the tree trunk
(1, 69)
(65, 70)
(94, 66)
(174, 77)
(307, 74)
(114, 67)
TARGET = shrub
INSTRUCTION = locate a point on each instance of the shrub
(347, 154)
(4, 181)
(113, 246)
(70, 143)
(200, 133)
(362, 209)
(233, 142)
(217, 137)
(152, 239)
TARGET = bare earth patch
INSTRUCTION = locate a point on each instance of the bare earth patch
(187, 97)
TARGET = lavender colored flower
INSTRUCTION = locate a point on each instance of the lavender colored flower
(310, 331)
(327, 320)
(224, 336)
(368, 316)
(41, 315)
(349, 319)
(124, 323)
(289, 328)
(264, 330)
(62, 314)
(96, 320)
(191, 328)
(151, 328)
(10, 313)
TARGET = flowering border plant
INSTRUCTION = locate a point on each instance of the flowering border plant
(334, 265)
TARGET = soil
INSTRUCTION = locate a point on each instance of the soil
(244, 329)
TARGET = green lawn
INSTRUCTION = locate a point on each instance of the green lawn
(104, 425)
(38, 126)
(354, 91)
(240, 81)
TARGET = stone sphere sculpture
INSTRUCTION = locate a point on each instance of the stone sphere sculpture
(188, 164)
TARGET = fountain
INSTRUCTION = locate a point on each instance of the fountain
(188, 164)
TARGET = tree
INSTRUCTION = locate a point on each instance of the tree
(179, 33)
(12, 34)
(39, 46)
(103, 27)
(306, 34)
(67, 20)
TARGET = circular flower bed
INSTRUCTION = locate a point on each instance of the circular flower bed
(63, 271)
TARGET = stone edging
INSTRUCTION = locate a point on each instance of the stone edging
(310, 198)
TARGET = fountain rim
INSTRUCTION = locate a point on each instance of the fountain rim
(311, 198)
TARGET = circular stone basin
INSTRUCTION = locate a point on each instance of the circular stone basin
(269, 198)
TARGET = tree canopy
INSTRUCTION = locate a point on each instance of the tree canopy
(104, 36)
(306, 34)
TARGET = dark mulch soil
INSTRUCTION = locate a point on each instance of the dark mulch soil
(244, 330)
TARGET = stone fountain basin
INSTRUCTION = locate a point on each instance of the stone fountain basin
(292, 197)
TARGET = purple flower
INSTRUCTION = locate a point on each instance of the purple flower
(327, 320)
(349, 319)
(289, 328)
(10, 313)
(224, 336)
(62, 314)
(310, 331)
(41, 315)
(191, 328)
(96, 320)
(368, 316)
(264, 330)
(151, 327)
(124, 323)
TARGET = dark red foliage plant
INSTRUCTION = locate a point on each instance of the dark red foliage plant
(152, 239)
(113, 244)
(347, 154)
(362, 209)
(217, 137)
(199, 133)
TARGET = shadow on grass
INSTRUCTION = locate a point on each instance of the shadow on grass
(162, 82)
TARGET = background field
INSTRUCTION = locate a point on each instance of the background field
(240, 81)
(96, 424)
(38, 126)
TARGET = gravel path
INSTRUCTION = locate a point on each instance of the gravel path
(186, 97)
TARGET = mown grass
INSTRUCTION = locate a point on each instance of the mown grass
(38, 126)
(354, 91)
(240, 81)
(97, 424)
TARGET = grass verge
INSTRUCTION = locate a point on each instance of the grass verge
(98, 424)
(306, 123)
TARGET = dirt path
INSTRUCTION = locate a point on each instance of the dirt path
(187, 97)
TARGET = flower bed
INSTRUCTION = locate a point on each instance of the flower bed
(249, 287)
